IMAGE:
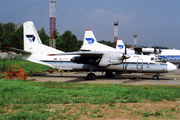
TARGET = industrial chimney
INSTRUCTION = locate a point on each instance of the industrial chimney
(135, 40)
(115, 33)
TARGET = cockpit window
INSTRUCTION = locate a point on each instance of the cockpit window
(152, 59)
(156, 58)
(159, 58)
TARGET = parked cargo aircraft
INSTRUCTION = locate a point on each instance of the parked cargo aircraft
(133, 64)
(120, 46)
(90, 43)
(91, 61)
(167, 55)
(93, 45)
(140, 60)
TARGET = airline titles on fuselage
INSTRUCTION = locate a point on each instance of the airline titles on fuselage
(62, 59)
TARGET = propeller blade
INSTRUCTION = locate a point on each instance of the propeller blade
(125, 50)
(155, 50)
(160, 51)
(125, 55)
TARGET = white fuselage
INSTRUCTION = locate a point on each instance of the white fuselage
(167, 55)
(135, 63)
(170, 55)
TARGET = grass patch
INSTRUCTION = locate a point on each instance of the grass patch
(30, 99)
(24, 92)
(26, 65)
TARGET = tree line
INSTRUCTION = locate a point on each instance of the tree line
(11, 35)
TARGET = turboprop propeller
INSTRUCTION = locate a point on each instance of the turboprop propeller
(157, 51)
(125, 55)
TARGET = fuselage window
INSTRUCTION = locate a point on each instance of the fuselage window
(152, 59)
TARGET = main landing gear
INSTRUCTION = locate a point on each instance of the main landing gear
(91, 76)
(156, 77)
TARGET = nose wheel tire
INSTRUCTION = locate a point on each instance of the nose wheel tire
(155, 77)
(90, 76)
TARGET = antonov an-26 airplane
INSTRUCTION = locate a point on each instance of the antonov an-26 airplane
(91, 61)
(141, 62)
(166, 55)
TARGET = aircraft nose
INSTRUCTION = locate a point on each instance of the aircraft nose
(170, 67)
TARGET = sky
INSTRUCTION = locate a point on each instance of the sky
(156, 22)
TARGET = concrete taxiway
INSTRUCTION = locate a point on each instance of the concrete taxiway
(172, 78)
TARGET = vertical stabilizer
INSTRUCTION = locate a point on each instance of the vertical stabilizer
(89, 41)
(32, 42)
(120, 45)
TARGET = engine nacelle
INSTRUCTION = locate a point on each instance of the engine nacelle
(111, 58)
(149, 50)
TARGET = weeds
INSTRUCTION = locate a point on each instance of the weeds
(95, 110)
(147, 114)
(170, 116)
(64, 110)
(124, 107)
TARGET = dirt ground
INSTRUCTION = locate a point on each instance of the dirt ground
(121, 111)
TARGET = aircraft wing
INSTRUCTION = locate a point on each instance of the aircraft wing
(17, 50)
(82, 53)
(96, 58)
(84, 57)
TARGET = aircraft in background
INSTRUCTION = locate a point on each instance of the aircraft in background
(90, 43)
(170, 55)
(144, 60)
(120, 46)
(105, 61)
(166, 55)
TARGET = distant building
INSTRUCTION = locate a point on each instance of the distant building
(5, 55)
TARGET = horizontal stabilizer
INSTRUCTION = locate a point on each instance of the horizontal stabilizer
(17, 50)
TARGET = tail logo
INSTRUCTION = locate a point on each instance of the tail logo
(31, 38)
(120, 46)
(90, 40)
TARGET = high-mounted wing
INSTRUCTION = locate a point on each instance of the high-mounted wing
(84, 57)
(84, 53)
(96, 58)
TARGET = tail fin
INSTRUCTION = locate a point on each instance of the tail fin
(90, 43)
(32, 42)
(120, 45)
